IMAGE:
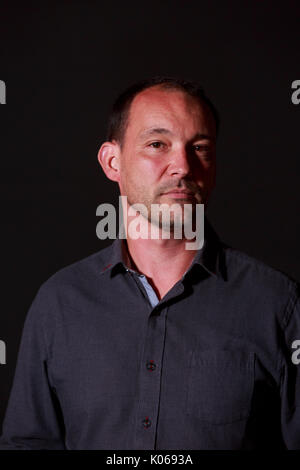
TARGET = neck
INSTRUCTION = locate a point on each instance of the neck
(162, 260)
(166, 256)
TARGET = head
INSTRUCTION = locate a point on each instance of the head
(162, 138)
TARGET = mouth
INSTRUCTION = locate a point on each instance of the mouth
(179, 194)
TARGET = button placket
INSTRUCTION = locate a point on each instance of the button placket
(150, 382)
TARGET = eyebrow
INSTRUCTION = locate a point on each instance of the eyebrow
(162, 130)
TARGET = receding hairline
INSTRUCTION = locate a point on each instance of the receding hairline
(166, 88)
(122, 107)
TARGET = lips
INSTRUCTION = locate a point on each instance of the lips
(183, 192)
(179, 194)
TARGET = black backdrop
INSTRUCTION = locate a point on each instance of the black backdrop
(63, 64)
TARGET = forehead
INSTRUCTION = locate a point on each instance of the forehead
(169, 108)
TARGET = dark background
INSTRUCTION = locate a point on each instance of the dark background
(65, 62)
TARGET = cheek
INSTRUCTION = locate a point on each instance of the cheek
(133, 180)
(147, 169)
(211, 180)
(208, 170)
(141, 173)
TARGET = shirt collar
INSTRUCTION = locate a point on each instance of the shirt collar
(209, 256)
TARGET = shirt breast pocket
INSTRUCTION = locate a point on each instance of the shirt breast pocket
(220, 385)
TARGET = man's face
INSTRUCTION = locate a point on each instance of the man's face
(169, 144)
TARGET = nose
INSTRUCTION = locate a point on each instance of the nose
(179, 163)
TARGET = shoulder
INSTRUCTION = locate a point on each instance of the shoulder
(239, 262)
(261, 282)
(79, 279)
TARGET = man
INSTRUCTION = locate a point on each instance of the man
(149, 345)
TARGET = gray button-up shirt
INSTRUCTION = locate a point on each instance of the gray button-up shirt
(104, 365)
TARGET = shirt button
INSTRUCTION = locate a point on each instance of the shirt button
(146, 422)
(150, 365)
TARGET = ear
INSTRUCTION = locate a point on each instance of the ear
(109, 159)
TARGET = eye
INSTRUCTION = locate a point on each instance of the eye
(204, 151)
(201, 147)
(156, 144)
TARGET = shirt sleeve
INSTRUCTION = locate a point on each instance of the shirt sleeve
(290, 376)
(33, 418)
